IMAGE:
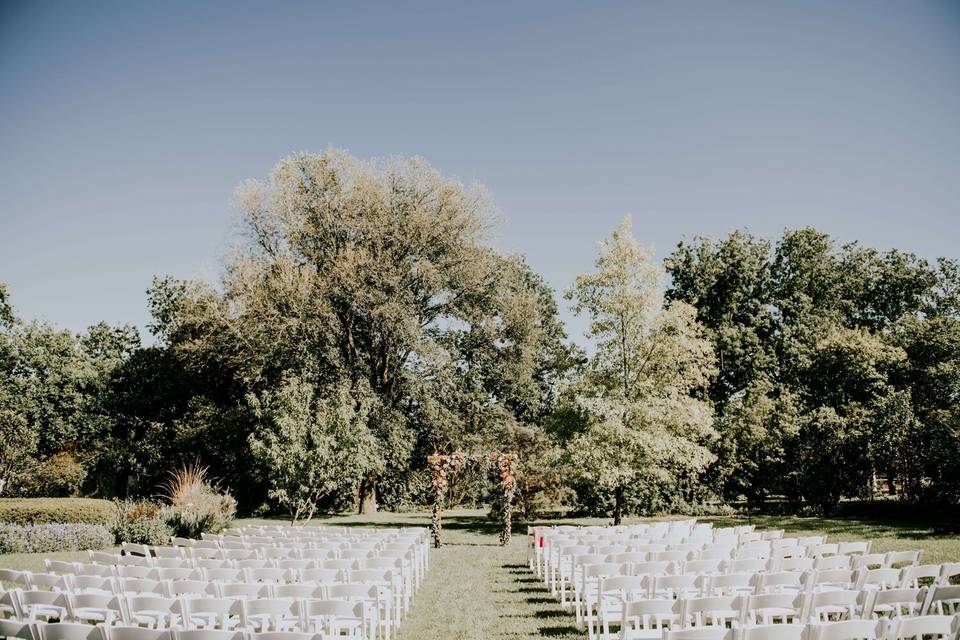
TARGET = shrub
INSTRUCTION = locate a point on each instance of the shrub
(196, 504)
(61, 475)
(48, 538)
(31, 511)
(140, 522)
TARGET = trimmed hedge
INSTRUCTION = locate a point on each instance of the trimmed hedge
(49, 538)
(32, 511)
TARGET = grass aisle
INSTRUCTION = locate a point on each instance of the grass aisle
(478, 590)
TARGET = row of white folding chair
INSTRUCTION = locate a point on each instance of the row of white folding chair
(641, 563)
(36, 630)
(400, 581)
(201, 585)
(586, 594)
(414, 540)
(229, 574)
(557, 555)
(400, 554)
(256, 552)
(325, 619)
(397, 555)
(939, 627)
(724, 544)
(253, 614)
(138, 566)
(641, 615)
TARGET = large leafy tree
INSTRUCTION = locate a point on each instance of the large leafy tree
(643, 396)
(374, 275)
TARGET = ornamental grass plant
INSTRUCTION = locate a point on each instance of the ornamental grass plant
(196, 503)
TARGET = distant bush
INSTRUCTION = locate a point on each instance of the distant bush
(140, 522)
(48, 538)
(703, 509)
(32, 511)
(59, 476)
(196, 504)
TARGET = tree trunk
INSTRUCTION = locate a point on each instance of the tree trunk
(618, 507)
(368, 494)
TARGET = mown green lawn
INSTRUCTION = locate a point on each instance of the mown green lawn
(479, 590)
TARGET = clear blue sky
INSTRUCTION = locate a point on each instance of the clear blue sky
(124, 127)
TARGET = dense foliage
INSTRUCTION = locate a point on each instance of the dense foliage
(30, 511)
(365, 322)
(49, 538)
(839, 367)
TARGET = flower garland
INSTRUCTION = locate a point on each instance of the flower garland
(500, 467)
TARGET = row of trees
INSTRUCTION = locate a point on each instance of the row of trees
(364, 322)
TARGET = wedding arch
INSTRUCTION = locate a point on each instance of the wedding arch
(499, 467)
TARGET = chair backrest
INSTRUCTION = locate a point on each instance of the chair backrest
(17, 629)
(747, 565)
(153, 604)
(700, 633)
(796, 564)
(911, 558)
(649, 615)
(860, 547)
(628, 557)
(182, 573)
(352, 591)
(295, 590)
(137, 633)
(131, 571)
(88, 584)
(224, 575)
(948, 571)
(89, 569)
(283, 635)
(829, 563)
(840, 604)
(243, 590)
(897, 602)
(929, 573)
(268, 574)
(59, 566)
(870, 561)
(773, 632)
(767, 608)
(676, 586)
(923, 627)
(140, 586)
(221, 607)
(319, 575)
(48, 581)
(177, 588)
(731, 583)
(848, 630)
(651, 568)
(713, 610)
(839, 578)
(71, 631)
(780, 581)
(703, 567)
(670, 556)
(880, 578)
(207, 634)
(945, 600)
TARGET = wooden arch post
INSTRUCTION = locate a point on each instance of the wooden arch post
(500, 468)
